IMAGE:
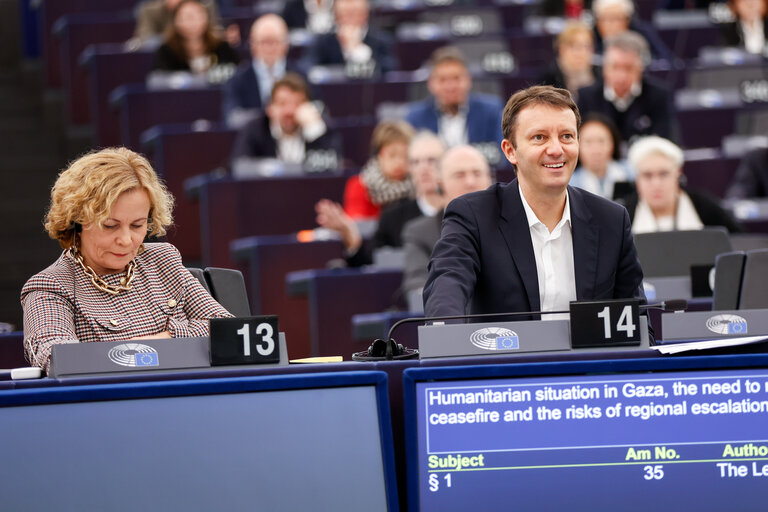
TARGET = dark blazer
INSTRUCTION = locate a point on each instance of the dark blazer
(484, 260)
(731, 33)
(419, 238)
(242, 90)
(388, 232)
(255, 141)
(325, 50)
(167, 60)
(295, 14)
(483, 117)
(709, 211)
(649, 114)
(751, 178)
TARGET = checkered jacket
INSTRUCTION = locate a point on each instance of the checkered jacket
(62, 305)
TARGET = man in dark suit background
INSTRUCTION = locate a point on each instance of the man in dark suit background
(463, 169)
(251, 86)
(354, 42)
(637, 104)
(534, 243)
(290, 130)
(452, 111)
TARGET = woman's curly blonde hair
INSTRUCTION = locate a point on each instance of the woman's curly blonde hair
(86, 191)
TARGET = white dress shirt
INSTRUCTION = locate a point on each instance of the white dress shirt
(452, 129)
(554, 260)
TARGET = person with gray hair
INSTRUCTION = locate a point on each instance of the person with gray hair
(661, 204)
(636, 103)
(614, 17)
(463, 169)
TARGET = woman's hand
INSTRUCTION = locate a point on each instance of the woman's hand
(164, 334)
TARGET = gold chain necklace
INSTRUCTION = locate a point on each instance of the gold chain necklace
(101, 284)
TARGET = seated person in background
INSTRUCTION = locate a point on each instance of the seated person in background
(614, 17)
(353, 41)
(154, 16)
(384, 179)
(574, 67)
(190, 43)
(251, 86)
(452, 111)
(463, 169)
(660, 203)
(749, 29)
(290, 130)
(635, 103)
(108, 285)
(533, 244)
(751, 178)
(313, 15)
(599, 146)
(424, 153)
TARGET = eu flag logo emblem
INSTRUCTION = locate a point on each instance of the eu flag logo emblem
(737, 327)
(147, 359)
(507, 343)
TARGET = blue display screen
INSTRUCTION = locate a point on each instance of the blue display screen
(309, 442)
(692, 440)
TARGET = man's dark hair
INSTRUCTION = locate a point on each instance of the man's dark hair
(293, 81)
(536, 95)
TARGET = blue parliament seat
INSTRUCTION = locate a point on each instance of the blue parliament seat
(528, 49)
(334, 296)
(265, 261)
(179, 152)
(76, 32)
(109, 66)
(232, 209)
(49, 12)
(140, 108)
(706, 116)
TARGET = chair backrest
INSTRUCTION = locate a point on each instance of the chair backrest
(729, 269)
(200, 276)
(672, 253)
(228, 288)
(754, 292)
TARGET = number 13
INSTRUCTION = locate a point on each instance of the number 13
(266, 332)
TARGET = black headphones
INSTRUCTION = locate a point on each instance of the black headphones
(381, 350)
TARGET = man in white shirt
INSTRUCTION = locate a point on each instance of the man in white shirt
(291, 131)
(453, 111)
(535, 243)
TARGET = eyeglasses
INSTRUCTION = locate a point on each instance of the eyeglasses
(413, 162)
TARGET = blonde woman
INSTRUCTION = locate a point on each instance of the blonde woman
(108, 285)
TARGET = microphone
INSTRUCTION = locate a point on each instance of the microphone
(390, 349)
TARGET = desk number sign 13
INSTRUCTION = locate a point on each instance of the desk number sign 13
(244, 340)
(605, 323)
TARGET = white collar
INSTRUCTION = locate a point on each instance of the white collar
(622, 104)
(533, 220)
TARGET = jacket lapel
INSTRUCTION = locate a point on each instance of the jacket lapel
(517, 235)
(585, 245)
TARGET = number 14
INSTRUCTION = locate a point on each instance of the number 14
(624, 324)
